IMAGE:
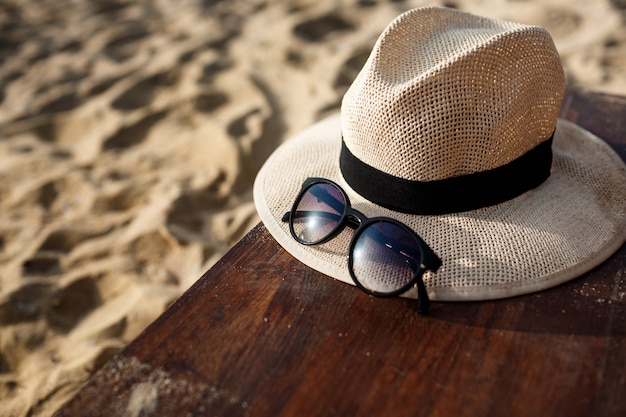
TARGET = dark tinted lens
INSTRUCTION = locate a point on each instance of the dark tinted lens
(385, 257)
(318, 213)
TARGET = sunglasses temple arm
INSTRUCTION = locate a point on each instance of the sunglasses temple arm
(432, 262)
(322, 214)
(423, 301)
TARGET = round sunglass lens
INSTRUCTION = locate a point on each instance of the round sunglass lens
(318, 213)
(385, 258)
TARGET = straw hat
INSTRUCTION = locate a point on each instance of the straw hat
(452, 128)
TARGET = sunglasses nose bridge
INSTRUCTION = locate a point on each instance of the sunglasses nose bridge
(353, 222)
(354, 218)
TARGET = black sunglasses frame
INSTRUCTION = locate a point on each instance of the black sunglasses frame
(359, 222)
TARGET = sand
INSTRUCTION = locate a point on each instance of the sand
(130, 135)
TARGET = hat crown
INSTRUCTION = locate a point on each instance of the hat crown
(445, 93)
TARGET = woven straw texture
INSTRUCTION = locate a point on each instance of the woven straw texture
(569, 224)
(453, 94)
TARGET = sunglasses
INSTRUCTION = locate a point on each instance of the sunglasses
(386, 257)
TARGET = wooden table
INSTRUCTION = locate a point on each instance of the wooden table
(260, 334)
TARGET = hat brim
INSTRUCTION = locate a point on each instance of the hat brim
(568, 225)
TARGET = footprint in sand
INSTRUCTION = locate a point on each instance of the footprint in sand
(185, 218)
(46, 260)
(210, 101)
(134, 134)
(25, 304)
(65, 102)
(148, 253)
(126, 41)
(320, 28)
(65, 239)
(48, 194)
(70, 304)
(257, 132)
(121, 200)
(42, 264)
(210, 70)
(144, 91)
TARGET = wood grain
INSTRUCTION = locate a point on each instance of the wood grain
(262, 335)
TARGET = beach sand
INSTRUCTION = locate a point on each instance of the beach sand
(130, 135)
